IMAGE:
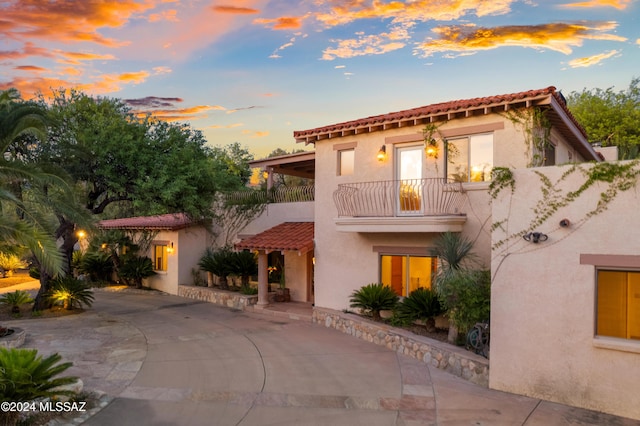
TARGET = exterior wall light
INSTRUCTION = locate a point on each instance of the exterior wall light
(170, 248)
(432, 149)
(535, 237)
(382, 153)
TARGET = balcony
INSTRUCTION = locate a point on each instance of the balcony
(415, 205)
(280, 194)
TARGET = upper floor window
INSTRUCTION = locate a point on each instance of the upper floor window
(346, 162)
(470, 159)
(618, 304)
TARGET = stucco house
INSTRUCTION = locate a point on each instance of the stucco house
(386, 186)
(177, 245)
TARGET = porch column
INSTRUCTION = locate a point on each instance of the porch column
(263, 278)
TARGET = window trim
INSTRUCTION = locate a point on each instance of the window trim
(468, 138)
(165, 255)
(339, 162)
(407, 254)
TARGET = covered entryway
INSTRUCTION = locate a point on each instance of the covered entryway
(295, 241)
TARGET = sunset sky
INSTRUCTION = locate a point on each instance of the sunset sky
(253, 71)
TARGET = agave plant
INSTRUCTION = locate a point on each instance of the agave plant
(374, 298)
(71, 292)
(26, 376)
(15, 299)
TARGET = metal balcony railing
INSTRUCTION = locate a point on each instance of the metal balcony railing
(281, 194)
(391, 198)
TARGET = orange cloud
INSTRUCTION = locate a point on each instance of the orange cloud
(166, 15)
(75, 58)
(344, 12)
(30, 87)
(282, 23)
(255, 134)
(68, 21)
(235, 9)
(618, 4)
(592, 60)
(29, 49)
(32, 68)
(560, 37)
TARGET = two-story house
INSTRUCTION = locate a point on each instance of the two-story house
(386, 186)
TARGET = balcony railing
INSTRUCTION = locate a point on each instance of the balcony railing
(412, 197)
(281, 194)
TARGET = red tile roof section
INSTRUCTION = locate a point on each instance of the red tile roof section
(171, 222)
(288, 236)
(434, 109)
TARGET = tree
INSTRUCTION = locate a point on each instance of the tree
(610, 118)
(22, 221)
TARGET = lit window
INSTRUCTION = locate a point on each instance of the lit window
(159, 257)
(404, 273)
(470, 159)
(618, 304)
(346, 161)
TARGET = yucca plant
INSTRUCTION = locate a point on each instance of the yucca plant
(71, 292)
(421, 304)
(15, 299)
(26, 376)
(374, 298)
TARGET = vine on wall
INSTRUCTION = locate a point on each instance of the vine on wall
(617, 177)
(537, 132)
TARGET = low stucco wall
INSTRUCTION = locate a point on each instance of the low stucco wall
(441, 355)
(230, 299)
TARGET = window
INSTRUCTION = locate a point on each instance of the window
(549, 155)
(160, 257)
(470, 159)
(409, 179)
(346, 161)
(405, 273)
(618, 304)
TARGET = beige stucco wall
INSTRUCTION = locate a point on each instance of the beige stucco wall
(543, 299)
(296, 274)
(277, 213)
(189, 244)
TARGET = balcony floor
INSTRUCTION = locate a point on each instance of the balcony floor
(413, 224)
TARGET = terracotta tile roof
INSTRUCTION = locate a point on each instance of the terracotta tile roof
(172, 222)
(420, 115)
(288, 236)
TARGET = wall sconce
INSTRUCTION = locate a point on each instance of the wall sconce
(382, 153)
(535, 237)
(170, 248)
(432, 149)
(265, 174)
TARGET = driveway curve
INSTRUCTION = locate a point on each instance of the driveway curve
(166, 360)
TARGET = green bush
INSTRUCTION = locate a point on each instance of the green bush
(9, 263)
(466, 295)
(244, 264)
(70, 292)
(218, 262)
(15, 299)
(136, 268)
(422, 304)
(374, 298)
(26, 376)
(98, 266)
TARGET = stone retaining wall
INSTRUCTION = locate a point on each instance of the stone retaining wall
(447, 357)
(230, 299)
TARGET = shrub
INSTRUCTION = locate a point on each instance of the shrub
(9, 263)
(70, 292)
(136, 268)
(98, 266)
(421, 304)
(218, 263)
(15, 299)
(374, 298)
(466, 294)
(244, 264)
(26, 376)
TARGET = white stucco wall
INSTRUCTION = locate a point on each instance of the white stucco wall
(189, 244)
(277, 213)
(543, 299)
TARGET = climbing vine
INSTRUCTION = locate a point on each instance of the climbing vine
(430, 142)
(537, 132)
(501, 177)
(617, 177)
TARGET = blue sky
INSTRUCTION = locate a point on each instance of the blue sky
(253, 71)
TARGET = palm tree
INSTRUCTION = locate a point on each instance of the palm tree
(244, 264)
(20, 223)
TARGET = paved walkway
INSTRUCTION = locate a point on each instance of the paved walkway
(165, 360)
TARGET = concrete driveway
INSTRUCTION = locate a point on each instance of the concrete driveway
(165, 360)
